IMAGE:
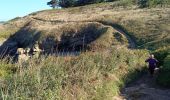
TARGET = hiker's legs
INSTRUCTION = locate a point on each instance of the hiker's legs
(151, 70)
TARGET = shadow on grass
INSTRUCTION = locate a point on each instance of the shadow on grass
(121, 29)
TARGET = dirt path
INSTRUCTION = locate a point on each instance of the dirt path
(145, 88)
(131, 42)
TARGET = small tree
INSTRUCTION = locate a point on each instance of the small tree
(67, 3)
(143, 3)
(84, 2)
(52, 3)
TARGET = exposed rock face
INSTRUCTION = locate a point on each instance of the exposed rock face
(22, 55)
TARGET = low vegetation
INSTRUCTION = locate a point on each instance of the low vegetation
(6, 33)
(140, 3)
(92, 75)
(6, 68)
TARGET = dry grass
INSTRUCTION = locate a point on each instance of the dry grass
(148, 27)
(92, 75)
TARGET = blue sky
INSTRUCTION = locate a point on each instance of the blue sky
(17, 8)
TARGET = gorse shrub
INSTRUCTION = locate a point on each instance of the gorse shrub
(67, 3)
(163, 78)
(92, 75)
(141, 3)
(152, 3)
(163, 56)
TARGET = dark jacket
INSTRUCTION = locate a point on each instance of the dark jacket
(152, 62)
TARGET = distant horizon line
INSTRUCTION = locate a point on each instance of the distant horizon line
(1, 21)
(5, 20)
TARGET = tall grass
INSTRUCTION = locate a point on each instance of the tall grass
(6, 68)
(92, 75)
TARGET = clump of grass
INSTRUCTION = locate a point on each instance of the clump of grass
(92, 75)
(161, 54)
(6, 68)
(5, 34)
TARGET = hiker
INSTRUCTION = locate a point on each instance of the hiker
(152, 64)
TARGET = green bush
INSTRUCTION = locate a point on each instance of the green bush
(143, 3)
(164, 61)
(161, 54)
(163, 77)
(152, 3)
(167, 62)
(67, 3)
(124, 3)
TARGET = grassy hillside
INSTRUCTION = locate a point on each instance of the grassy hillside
(66, 36)
(96, 74)
(10, 27)
(150, 31)
(148, 27)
